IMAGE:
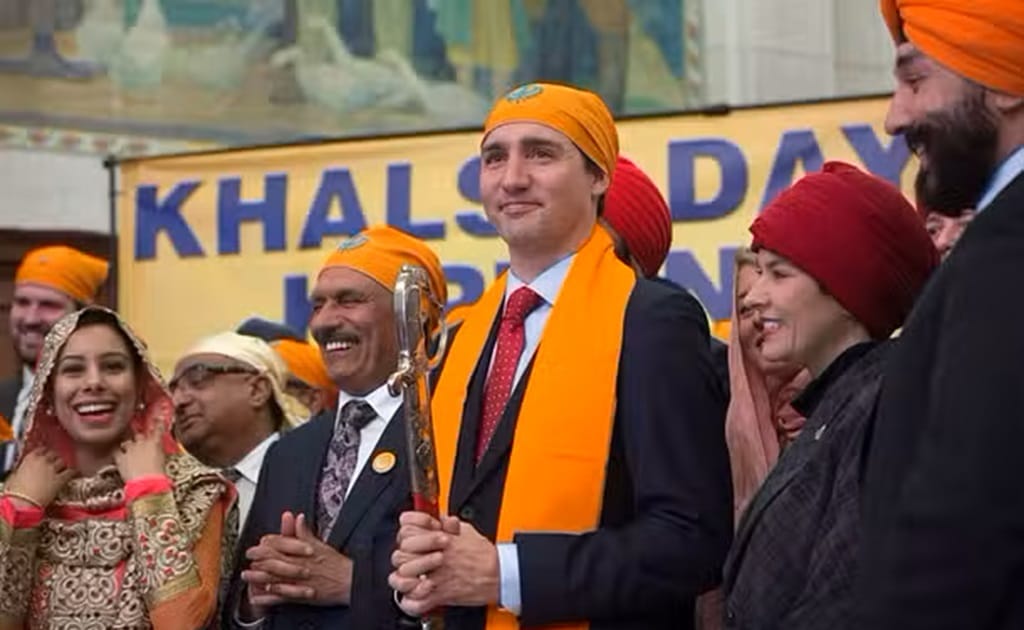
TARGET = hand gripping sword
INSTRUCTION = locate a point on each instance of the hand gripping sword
(418, 313)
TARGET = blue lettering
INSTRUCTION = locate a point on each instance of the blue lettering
(683, 269)
(399, 206)
(470, 282)
(297, 309)
(335, 183)
(153, 216)
(886, 162)
(799, 146)
(232, 211)
(682, 178)
(471, 221)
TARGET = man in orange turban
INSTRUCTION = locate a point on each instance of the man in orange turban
(942, 498)
(50, 282)
(576, 397)
(325, 515)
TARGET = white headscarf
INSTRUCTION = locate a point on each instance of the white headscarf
(257, 354)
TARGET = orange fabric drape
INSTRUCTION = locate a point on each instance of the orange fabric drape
(554, 440)
(196, 606)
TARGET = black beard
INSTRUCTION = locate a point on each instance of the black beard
(960, 144)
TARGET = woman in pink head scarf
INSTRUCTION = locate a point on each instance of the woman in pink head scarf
(760, 422)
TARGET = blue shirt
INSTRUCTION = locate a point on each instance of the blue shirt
(1008, 171)
(547, 285)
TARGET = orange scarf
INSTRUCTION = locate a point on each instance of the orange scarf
(6, 433)
(556, 438)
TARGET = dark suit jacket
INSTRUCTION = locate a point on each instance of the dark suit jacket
(365, 530)
(666, 518)
(9, 389)
(794, 559)
(944, 494)
(719, 349)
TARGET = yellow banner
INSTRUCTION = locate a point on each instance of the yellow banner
(209, 239)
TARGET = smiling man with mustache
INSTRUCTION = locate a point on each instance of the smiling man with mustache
(943, 500)
(325, 514)
(50, 283)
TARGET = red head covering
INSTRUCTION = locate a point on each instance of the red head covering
(155, 411)
(858, 236)
(636, 210)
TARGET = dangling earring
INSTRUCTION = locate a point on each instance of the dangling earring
(141, 406)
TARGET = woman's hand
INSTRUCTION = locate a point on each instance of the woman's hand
(38, 479)
(140, 456)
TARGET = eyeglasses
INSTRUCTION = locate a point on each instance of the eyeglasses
(200, 375)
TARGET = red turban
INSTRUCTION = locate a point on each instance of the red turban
(858, 236)
(635, 209)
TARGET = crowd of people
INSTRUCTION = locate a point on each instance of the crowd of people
(844, 459)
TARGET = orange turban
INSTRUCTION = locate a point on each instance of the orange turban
(581, 115)
(305, 362)
(380, 252)
(65, 269)
(982, 40)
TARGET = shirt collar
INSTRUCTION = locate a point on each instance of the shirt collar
(379, 399)
(1008, 171)
(547, 284)
(250, 465)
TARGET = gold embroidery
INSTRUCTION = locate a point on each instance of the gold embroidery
(17, 554)
(103, 573)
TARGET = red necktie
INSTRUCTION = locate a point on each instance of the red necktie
(511, 339)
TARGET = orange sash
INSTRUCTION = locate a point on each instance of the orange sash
(6, 433)
(556, 471)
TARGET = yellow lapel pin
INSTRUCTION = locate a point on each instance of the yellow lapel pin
(383, 462)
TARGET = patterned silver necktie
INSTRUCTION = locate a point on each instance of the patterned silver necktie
(341, 463)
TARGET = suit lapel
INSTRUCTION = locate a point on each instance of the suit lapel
(9, 391)
(465, 468)
(781, 476)
(370, 484)
(308, 481)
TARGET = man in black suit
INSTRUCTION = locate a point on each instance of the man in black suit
(50, 282)
(944, 501)
(315, 551)
(579, 436)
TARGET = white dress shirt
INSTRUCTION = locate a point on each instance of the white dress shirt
(547, 285)
(249, 476)
(385, 405)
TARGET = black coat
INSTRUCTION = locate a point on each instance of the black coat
(365, 530)
(944, 493)
(666, 520)
(9, 389)
(794, 561)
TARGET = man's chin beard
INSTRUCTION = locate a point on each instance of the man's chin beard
(961, 144)
(948, 197)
